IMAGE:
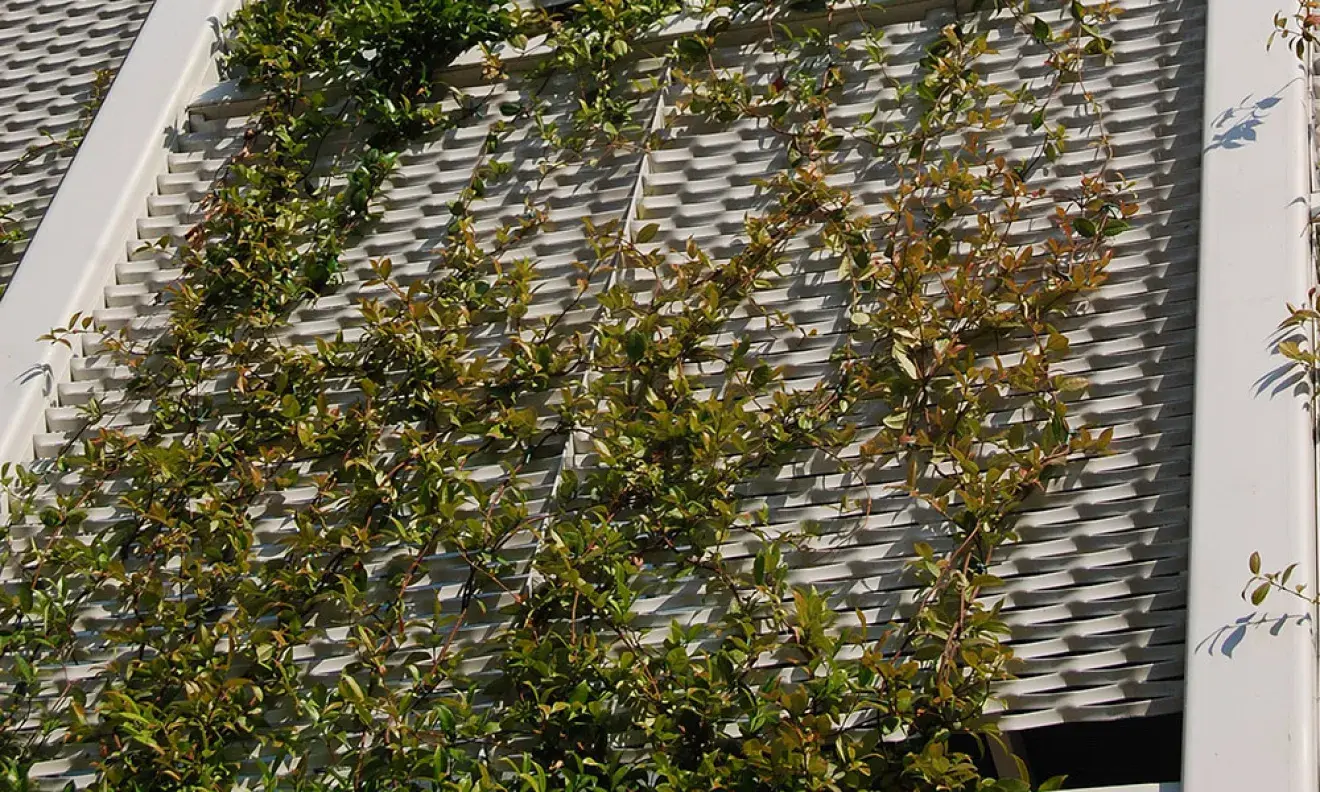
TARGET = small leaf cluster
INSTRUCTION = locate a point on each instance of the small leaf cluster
(1298, 29)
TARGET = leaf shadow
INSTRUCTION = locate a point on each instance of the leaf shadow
(1237, 126)
(1226, 640)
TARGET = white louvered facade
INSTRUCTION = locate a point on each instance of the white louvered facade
(1096, 591)
(50, 53)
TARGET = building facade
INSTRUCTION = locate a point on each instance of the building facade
(1142, 667)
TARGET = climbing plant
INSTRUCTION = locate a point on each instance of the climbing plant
(473, 535)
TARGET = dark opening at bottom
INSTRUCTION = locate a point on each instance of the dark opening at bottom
(1105, 753)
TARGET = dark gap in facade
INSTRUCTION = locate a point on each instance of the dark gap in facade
(1104, 753)
(978, 750)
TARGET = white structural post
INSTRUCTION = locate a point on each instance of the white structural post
(85, 230)
(1251, 672)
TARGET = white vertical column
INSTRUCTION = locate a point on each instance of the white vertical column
(1251, 672)
(72, 255)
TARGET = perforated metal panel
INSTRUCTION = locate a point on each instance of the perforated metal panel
(1095, 589)
(50, 53)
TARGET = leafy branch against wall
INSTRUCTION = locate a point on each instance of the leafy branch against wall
(1298, 29)
(476, 495)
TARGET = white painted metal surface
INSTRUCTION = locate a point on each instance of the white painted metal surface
(1134, 787)
(1250, 709)
(70, 258)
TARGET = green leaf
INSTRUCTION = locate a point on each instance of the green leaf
(1254, 563)
(350, 689)
(904, 362)
(1292, 350)
(1072, 384)
(1258, 596)
(635, 344)
(1040, 30)
(648, 233)
(1098, 46)
(1287, 574)
(1084, 227)
(717, 25)
(1116, 227)
(691, 48)
(896, 419)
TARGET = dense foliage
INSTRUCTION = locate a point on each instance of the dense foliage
(483, 529)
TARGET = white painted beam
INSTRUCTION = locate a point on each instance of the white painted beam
(1133, 787)
(83, 235)
(1250, 720)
